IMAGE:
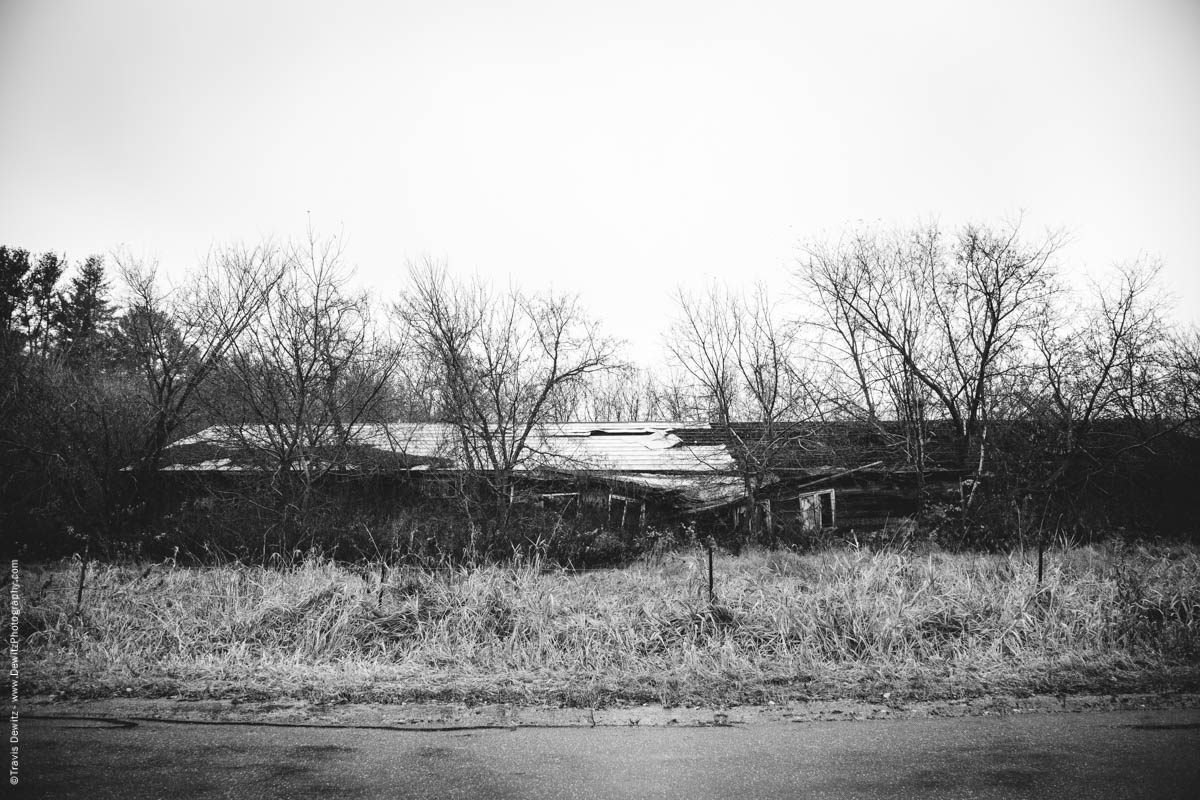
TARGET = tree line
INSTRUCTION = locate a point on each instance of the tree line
(1045, 389)
(1064, 406)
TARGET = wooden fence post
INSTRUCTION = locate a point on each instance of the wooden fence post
(711, 595)
(1041, 553)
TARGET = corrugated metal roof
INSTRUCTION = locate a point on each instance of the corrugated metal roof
(646, 447)
(808, 448)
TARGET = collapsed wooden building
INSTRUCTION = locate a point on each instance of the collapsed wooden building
(622, 477)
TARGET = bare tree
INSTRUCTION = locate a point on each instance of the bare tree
(947, 322)
(628, 393)
(674, 395)
(625, 393)
(1091, 362)
(1105, 361)
(174, 340)
(742, 353)
(505, 364)
(855, 368)
(1182, 362)
(308, 370)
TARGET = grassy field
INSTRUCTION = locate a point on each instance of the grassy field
(841, 624)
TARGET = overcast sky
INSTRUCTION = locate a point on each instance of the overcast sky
(614, 149)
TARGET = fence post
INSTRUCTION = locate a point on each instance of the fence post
(1041, 552)
(87, 553)
(711, 595)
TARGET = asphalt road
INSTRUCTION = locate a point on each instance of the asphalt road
(1142, 754)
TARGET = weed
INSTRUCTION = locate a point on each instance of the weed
(834, 623)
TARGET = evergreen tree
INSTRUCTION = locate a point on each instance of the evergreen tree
(14, 269)
(85, 316)
(41, 302)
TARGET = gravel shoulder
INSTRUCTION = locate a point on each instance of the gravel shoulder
(451, 716)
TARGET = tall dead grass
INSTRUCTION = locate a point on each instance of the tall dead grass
(845, 623)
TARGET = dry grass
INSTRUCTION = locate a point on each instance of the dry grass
(839, 624)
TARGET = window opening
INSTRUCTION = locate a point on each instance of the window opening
(626, 513)
(818, 510)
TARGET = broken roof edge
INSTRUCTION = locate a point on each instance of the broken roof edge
(662, 447)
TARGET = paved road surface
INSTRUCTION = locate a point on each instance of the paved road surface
(1090, 755)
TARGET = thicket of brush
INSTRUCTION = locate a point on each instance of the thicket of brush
(846, 623)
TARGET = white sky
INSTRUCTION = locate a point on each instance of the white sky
(615, 149)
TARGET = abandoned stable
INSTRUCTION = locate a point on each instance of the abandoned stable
(625, 477)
